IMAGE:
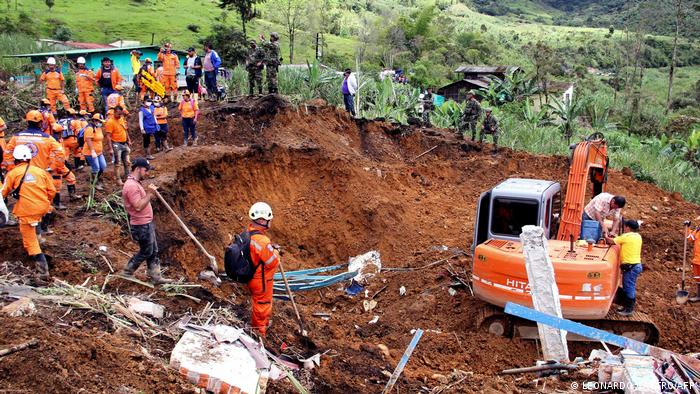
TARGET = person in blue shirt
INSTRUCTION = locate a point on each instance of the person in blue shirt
(211, 65)
(148, 124)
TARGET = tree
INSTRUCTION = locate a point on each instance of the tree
(292, 14)
(62, 33)
(245, 8)
(674, 57)
(542, 57)
(230, 44)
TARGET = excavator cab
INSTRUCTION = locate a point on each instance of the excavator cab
(504, 210)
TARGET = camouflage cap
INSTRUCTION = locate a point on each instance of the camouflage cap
(252, 42)
(275, 35)
(488, 110)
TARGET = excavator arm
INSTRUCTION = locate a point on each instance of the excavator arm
(589, 160)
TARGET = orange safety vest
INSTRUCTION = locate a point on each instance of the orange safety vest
(85, 80)
(46, 151)
(161, 114)
(171, 63)
(52, 78)
(37, 191)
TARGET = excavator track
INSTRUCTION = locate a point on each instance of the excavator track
(638, 326)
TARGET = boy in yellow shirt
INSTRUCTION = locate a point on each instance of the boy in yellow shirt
(630, 243)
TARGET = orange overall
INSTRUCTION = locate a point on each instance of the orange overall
(171, 66)
(47, 152)
(694, 236)
(70, 142)
(54, 88)
(59, 174)
(36, 195)
(262, 252)
(85, 81)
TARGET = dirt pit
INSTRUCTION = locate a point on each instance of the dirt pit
(339, 187)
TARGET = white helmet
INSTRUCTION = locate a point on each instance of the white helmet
(260, 210)
(22, 152)
(81, 60)
(51, 61)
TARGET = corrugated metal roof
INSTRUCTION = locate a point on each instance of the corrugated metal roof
(82, 51)
(486, 69)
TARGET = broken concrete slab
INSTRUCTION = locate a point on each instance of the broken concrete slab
(217, 367)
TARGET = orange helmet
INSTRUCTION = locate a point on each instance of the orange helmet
(45, 101)
(71, 111)
(57, 128)
(119, 88)
(186, 93)
(34, 116)
(98, 117)
(83, 112)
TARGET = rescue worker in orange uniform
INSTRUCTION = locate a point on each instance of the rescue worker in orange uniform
(147, 67)
(55, 85)
(116, 99)
(159, 73)
(47, 153)
(71, 144)
(171, 69)
(66, 173)
(85, 82)
(3, 127)
(694, 236)
(266, 258)
(48, 119)
(34, 191)
(161, 113)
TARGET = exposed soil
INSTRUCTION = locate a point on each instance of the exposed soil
(339, 187)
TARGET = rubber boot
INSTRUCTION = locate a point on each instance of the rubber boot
(44, 227)
(130, 268)
(72, 195)
(42, 266)
(695, 299)
(57, 202)
(155, 276)
(78, 163)
(98, 183)
(629, 308)
(624, 301)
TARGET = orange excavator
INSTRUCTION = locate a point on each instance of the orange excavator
(588, 276)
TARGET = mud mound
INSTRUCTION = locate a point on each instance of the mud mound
(340, 187)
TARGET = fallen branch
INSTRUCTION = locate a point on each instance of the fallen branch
(538, 368)
(131, 279)
(17, 348)
(424, 153)
(108, 264)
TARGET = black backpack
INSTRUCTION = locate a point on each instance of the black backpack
(237, 260)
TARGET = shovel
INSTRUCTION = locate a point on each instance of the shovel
(294, 304)
(682, 294)
(211, 258)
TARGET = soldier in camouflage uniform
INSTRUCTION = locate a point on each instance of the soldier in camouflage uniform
(490, 126)
(469, 117)
(254, 63)
(428, 107)
(272, 60)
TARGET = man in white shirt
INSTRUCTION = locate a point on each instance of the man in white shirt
(602, 206)
(349, 88)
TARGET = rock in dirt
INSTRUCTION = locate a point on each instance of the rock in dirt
(385, 351)
(627, 171)
(22, 307)
(146, 308)
(677, 196)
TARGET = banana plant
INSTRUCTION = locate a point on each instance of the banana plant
(447, 115)
(568, 112)
(535, 118)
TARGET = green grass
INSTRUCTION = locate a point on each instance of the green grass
(655, 84)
